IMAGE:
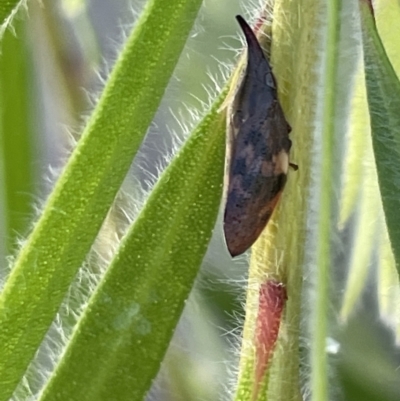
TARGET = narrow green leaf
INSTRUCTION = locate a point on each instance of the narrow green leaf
(359, 130)
(120, 341)
(360, 194)
(75, 210)
(383, 91)
(319, 360)
(15, 135)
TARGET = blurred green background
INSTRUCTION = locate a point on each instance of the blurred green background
(52, 66)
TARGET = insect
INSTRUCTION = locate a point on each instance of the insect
(258, 158)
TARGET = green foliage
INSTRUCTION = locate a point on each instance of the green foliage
(16, 135)
(78, 205)
(383, 89)
(131, 316)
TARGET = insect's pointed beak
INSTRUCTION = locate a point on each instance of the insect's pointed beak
(255, 53)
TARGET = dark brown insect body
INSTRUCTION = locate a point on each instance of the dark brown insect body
(259, 151)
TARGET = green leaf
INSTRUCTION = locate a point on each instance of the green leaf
(78, 205)
(329, 125)
(383, 91)
(121, 339)
(364, 238)
(355, 151)
(360, 194)
(16, 140)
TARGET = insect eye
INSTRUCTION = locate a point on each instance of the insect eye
(270, 81)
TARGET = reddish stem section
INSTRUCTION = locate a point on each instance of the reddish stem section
(272, 300)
